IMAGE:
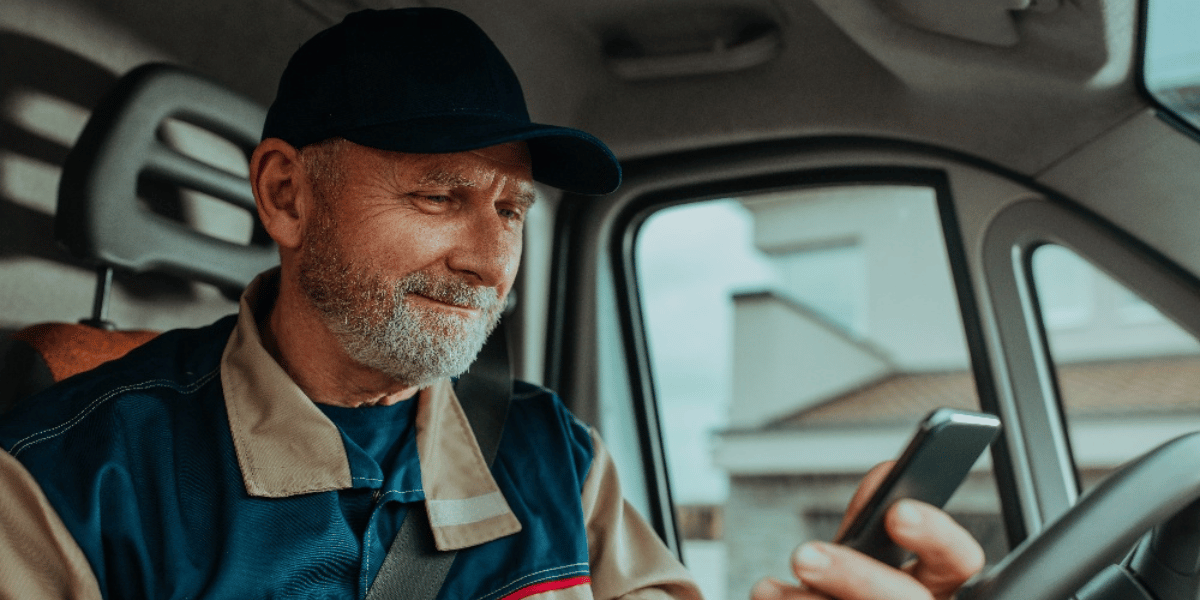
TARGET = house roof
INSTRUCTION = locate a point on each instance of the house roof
(1159, 386)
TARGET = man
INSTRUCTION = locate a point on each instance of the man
(277, 453)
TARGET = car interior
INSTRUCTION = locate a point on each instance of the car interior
(836, 216)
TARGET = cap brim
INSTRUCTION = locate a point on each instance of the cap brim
(565, 158)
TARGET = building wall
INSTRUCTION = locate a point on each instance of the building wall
(788, 359)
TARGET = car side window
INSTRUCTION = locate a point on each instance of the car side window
(1126, 374)
(796, 337)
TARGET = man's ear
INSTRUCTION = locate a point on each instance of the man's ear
(281, 189)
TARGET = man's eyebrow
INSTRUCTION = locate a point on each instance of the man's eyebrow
(447, 179)
(525, 198)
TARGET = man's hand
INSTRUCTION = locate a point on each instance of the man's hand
(946, 557)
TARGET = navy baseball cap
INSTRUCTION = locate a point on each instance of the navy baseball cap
(425, 80)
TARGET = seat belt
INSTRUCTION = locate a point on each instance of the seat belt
(414, 568)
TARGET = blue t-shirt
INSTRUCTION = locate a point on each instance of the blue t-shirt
(380, 431)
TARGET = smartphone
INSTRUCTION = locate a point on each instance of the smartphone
(935, 462)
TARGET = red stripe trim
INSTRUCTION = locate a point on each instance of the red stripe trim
(547, 586)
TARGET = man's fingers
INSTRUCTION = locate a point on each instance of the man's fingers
(866, 487)
(946, 554)
(774, 589)
(839, 572)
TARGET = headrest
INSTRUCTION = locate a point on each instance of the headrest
(100, 217)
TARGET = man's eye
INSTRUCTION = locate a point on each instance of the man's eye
(434, 202)
(510, 214)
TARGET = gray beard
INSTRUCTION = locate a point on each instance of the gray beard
(414, 344)
(380, 327)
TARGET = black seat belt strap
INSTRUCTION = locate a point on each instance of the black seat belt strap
(414, 568)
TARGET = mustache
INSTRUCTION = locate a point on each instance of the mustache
(448, 289)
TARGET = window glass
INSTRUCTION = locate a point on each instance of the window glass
(796, 338)
(1127, 375)
(1172, 56)
(829, 278)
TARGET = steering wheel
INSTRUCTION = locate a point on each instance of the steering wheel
(1085, 552)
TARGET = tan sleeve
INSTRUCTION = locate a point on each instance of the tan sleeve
(627, 558)
(40, 558)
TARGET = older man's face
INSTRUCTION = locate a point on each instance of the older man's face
(410, 257)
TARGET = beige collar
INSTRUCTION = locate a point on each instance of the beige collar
(286, 446)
